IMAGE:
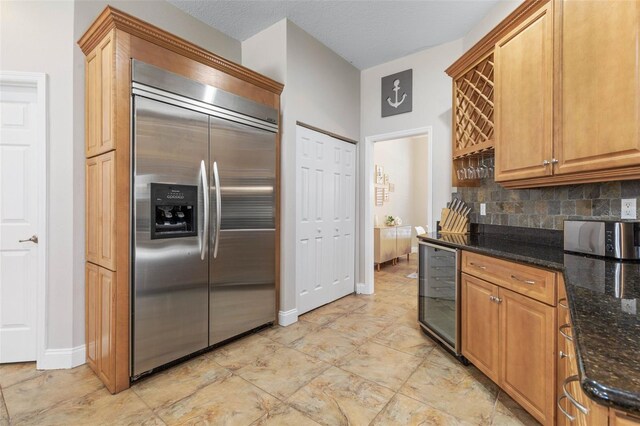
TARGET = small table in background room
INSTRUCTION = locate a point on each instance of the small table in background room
(391, 242)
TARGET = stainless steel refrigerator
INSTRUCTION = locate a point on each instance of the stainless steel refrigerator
(203, 231)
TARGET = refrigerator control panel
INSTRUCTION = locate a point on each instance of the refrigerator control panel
(173, 211)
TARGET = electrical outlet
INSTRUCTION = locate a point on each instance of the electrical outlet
(629, 306)
(628, 208)
(483, 209)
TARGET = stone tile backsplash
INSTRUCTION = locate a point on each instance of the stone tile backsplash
(548, 207)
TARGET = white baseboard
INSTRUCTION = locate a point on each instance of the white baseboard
(363, 288)
(55, 359)
(289, 317)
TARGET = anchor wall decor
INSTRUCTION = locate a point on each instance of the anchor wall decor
(397, 93)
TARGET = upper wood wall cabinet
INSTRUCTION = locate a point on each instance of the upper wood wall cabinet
(598, 85)
(524, 99)
(566, 92)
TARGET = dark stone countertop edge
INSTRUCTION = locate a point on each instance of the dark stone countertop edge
(598, 392)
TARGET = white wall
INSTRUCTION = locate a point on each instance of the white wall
(404, 161)
(40, 36)
(496, 14)
(321, 89)
(431, 107)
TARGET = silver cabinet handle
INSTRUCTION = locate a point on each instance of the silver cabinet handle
(216, 177)
(554, 161)
(205, 196)
(565, 412)
(563, 355)
(33, 239)
(570, 397)
(562, 332)
(475, 265)
(495, 299)
(513, 277)
(498, 300)
(563, 305)
(545, 163)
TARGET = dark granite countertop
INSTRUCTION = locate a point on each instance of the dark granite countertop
(602, 297)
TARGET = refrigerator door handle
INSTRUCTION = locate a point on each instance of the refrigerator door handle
(205, 197)
(218, 208)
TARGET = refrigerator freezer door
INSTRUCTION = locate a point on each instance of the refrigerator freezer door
(242, 272)
(170, 288)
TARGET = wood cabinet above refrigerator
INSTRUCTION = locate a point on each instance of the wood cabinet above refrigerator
(109, 45)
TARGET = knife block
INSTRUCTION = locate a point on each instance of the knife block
(453, 222)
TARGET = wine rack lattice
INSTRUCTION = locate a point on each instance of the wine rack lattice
(474, 108)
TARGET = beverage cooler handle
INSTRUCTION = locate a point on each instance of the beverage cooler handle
(218, 208)
(205, 197)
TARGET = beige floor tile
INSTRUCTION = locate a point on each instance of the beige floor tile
(326, 344)
(286, 335)
(29, 398)
(98, 408)
(4, 415)
(233, 401)
(244, 351)
(283, 372)
(380, 364)
(284, 415)
(349, 303)
(323, 315)
(166, 388)
(359, 326)
(409, 339)
(403, 410)
(509, 412)
(340, 398)
(13, 373)
(378, 308)
(453, 390)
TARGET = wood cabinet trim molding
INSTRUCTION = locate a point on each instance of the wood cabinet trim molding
(113, 18)
(486, 44)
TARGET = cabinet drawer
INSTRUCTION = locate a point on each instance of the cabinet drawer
(533, 282)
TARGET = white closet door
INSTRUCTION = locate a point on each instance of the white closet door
(325, 222)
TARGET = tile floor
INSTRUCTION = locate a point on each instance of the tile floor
(360, 360)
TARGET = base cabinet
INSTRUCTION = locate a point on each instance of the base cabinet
(100, 314)
(480, 325)
(527, 353)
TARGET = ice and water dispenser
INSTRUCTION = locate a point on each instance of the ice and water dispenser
(173, 210)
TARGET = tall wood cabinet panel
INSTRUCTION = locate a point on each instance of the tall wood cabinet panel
(527, 352)
(100, 93)
(100, 328)
(480, 338)
(524, 99)
(598, 85)
(109, 45)
(100, 213)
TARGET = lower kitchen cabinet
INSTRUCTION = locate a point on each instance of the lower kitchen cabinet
(480, 325)
(527, 353)
(100, 288)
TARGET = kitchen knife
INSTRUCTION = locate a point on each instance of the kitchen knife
(447, 222)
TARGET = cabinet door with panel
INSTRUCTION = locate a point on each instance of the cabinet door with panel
(527, 353)
(480, 329)
(100, 208)
(598, 85)
(524, 99)
(100, 288)
(100, 97)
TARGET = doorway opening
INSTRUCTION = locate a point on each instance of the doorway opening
(399, 183)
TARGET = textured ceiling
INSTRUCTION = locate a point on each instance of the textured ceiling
(364, 32)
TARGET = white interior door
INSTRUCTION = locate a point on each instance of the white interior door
(325, 219)
(20, 149)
